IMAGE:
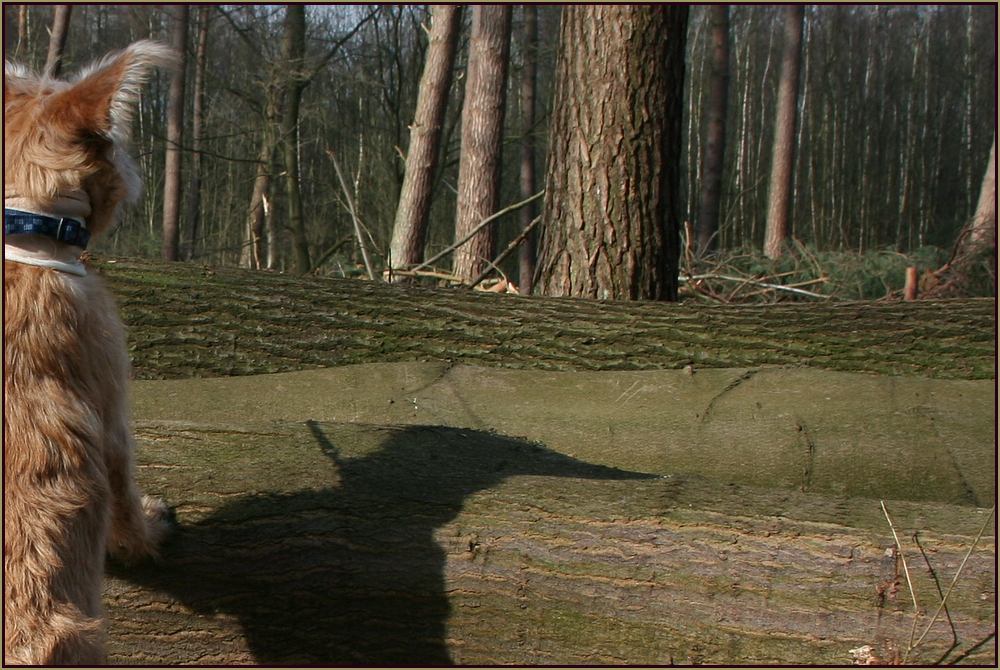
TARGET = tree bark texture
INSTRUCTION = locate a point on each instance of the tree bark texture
(610, 218)
(293, 56)
(57, 39)
(783, 151)
(191, 321)
(409, 230)
(324, 543)
(984, 222)
(260, 214)
(172, 189)
(197, 130)
(482, 137)
(707, 223)
(527, 254)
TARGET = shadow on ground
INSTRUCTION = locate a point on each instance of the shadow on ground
(353, 573)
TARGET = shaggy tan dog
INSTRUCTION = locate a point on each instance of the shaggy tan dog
(68, 489)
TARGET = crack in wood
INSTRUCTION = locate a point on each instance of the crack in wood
(807, 471)
(746, 376)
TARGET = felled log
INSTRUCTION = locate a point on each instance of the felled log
(186, 320)
(432, 512)
(316, 543)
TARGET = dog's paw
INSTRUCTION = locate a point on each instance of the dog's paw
(160, 520)
(151, 525)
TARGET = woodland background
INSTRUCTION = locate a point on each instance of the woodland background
(896, 109)
(335, 448)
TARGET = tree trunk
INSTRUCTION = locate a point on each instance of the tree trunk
(259, 214)
(983, 231)
(197, 130)
(783, 152)
(293, 52)
(323, 543)
(707, 223)
(410, 228)
(172, 190)
(57, 39)
(23, 45)
(184, 323)
(482, 137)
(529, 84)
(610, 220)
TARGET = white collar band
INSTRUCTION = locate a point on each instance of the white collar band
(17, 254)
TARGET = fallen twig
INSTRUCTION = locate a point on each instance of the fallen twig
(951, 586)
(432, 274)
(906, 573)
(746, 280)
(506, 252)
(937, 585)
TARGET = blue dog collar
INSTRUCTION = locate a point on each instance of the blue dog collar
(70, 231)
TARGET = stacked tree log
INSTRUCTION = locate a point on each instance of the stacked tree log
(443, 510)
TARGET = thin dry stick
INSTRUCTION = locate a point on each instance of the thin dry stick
(433, 274)
(744, 281)
(506, 252)
(499, 271)
(354, 216)
(906, 570)
(485, 222)
(810, 282)
(688, 254)
(944, 600)
(937, 586)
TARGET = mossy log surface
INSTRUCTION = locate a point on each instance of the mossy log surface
(818, 431)
(508, 480)
(187, 320)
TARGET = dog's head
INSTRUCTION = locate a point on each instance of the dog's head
(70, 139)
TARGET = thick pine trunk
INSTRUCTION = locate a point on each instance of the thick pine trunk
(409, 231)
(172, 189)
(482, 136)
(983, 232)
(783, 151)
(609, 223)
(707, 223)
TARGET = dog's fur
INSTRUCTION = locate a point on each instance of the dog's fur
(68, 488)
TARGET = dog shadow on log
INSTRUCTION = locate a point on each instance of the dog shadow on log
(351, 574)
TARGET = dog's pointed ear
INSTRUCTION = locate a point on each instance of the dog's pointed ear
(103, 98)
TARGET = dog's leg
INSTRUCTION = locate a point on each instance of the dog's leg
(138, 522)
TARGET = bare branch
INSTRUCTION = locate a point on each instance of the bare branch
(482, 224)
(353, 212)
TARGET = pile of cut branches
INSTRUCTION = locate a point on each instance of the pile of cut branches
(747, 277)
(971, 270)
